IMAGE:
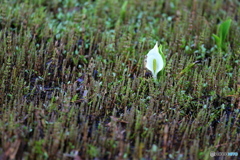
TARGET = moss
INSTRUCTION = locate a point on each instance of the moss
(73, 82)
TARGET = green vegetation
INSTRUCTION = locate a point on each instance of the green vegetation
(223, 31)
(73, 82)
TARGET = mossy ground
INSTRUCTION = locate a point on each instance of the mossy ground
(73, 81)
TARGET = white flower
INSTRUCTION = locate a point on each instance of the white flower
(155, 60)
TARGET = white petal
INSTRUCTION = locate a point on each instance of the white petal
(154, 54)
(159, 61)
(153, 51)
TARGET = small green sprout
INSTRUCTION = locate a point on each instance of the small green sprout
(187, 69)
(222, 32)
(122, 14)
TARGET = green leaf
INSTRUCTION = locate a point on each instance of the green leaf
(123, 10)
(162, 54)
(224, 29)
(122, 13)
(187, 69)
(217, 40)
(222, 32)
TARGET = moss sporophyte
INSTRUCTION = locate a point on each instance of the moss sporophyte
(155, 60)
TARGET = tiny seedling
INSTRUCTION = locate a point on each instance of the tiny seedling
(222, 32)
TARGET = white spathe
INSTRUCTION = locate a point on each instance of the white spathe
(154, 61)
